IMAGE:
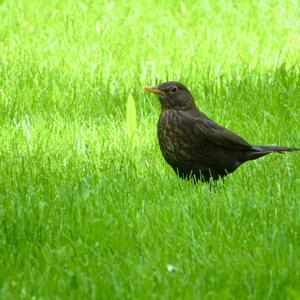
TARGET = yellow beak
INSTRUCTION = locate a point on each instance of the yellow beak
(153, 89)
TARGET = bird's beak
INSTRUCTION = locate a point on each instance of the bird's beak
(153, 89)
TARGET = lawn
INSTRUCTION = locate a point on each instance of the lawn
(90, 210)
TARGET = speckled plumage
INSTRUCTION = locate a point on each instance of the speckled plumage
(193, 144)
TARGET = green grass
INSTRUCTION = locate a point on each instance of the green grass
(89, 212)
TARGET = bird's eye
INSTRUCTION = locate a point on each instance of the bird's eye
(173, 89)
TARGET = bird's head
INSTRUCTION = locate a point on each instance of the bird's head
(173, 95)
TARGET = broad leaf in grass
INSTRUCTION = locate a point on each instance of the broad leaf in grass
(130, 116)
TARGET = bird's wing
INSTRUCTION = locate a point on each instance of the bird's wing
(219, 136)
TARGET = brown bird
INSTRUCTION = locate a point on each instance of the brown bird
(193, 144)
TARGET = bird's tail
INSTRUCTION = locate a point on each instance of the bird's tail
(259, 151)
(278, 149)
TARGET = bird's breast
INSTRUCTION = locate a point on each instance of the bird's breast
(173, 137)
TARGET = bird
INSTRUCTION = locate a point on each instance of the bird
(194, 145)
